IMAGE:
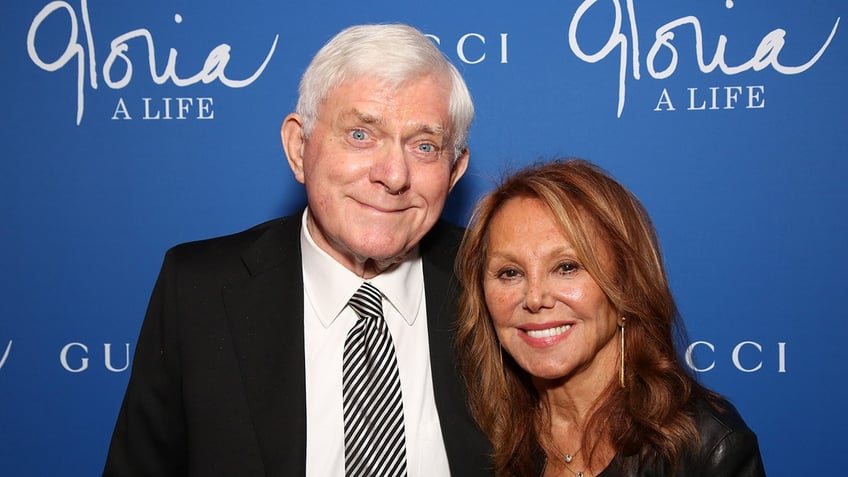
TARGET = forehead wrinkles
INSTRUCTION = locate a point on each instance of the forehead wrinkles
(357, 116)
(510, 225)
(509, 246)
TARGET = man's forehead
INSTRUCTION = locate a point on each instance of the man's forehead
(362, 115)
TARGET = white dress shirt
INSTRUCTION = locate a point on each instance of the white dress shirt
(327, 287)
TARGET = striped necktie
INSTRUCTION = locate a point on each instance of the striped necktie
(375, 443)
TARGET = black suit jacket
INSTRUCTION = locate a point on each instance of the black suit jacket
(217, 384)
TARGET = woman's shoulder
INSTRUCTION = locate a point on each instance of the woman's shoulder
(727, 445)
(716, 417)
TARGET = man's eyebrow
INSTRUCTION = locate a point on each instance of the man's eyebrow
(435, 129)
(362, 117)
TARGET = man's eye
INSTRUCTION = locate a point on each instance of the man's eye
(359, 134)
(427, 148)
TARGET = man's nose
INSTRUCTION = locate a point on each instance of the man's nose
(391, 169)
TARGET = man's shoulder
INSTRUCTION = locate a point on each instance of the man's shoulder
(233, 246)
(443, 239)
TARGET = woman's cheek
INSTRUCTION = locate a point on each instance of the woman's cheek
(501, 304)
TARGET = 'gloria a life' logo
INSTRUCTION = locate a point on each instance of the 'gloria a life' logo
(624, 43)
(80, 54)
(5, 354)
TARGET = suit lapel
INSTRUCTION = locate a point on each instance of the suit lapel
(466, 446)
(438, 252)
(265, 313)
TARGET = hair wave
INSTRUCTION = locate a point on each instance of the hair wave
(651, 415)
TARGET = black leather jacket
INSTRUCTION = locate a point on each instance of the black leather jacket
(728, 448)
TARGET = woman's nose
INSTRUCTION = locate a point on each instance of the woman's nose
(537, 296)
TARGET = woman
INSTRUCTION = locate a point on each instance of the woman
(566, 338)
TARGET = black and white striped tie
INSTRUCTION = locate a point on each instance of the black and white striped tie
(375, 442)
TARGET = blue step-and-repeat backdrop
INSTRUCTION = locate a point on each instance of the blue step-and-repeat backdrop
(130, 126)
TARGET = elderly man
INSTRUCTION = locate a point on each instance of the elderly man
(322, 344)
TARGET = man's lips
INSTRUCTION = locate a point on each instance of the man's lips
(386, 209)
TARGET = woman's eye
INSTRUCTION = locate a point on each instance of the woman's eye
(568, 267)
(507, 273)
(359, 135)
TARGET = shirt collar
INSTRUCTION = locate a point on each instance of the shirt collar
(329, 285)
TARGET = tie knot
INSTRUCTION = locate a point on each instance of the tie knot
(367, 301)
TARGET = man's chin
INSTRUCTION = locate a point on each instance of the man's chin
(388, 256)
(381, 259)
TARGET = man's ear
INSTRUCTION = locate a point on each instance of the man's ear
(459, 167)
(291, 133)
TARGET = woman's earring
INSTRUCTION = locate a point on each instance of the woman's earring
(621, 357)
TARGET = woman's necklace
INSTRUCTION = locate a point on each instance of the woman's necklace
(567, 458)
